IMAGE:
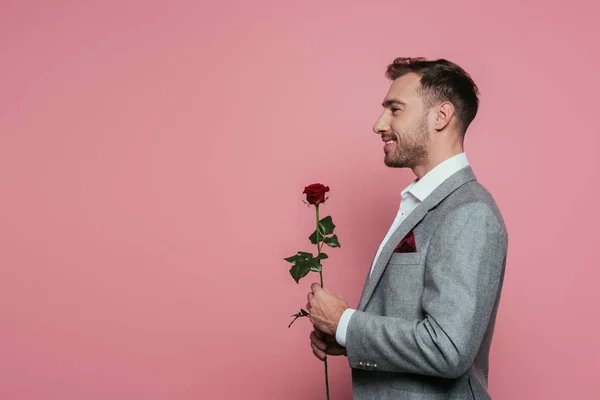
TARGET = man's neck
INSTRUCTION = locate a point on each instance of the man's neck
(436, 158)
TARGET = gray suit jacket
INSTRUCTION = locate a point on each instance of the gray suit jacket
(424, 324)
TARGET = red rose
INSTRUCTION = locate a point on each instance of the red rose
(315, 192)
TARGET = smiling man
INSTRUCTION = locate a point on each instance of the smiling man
(424, 324)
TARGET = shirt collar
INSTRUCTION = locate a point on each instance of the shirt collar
(423, 187)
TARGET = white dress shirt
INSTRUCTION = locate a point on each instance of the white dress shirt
(412, 196)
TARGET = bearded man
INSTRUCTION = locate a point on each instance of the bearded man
(424, 324)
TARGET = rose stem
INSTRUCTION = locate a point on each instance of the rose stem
(321, 276)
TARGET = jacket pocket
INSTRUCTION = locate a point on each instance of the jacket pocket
(405, 258)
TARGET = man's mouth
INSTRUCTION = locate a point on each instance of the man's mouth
(388, 144)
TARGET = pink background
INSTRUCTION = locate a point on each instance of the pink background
(152, 159)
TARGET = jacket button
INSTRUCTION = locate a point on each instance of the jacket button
(361, 364)
(368, 365)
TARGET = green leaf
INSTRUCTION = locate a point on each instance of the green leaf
(301, 314)
(316, 268)
(332, 241)
(315, 265)
(301, 256)
(300, 270)
(304, 263)
(326, 226)
(294, 258)
(313, 237)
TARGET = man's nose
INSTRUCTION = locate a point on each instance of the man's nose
(381, 126)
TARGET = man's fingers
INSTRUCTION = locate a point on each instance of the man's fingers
(315, 287)
(324, 337)
(329, 339)
(336, 351)
(318, 352)
(323, 345)
(317, 342)
(319, 333)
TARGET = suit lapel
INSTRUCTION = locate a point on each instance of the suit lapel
(455, 181)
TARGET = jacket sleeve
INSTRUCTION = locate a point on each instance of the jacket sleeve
(464, 269)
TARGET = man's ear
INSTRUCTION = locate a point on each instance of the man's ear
(445, 113)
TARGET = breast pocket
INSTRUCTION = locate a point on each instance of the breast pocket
(405, 258)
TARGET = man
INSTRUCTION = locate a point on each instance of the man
(424, 324)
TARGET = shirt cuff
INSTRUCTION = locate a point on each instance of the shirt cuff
(340, 333)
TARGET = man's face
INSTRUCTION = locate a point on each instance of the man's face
(404, 122)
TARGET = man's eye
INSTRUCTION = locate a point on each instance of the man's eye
(394, 109)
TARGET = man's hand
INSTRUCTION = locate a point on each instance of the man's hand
(323, 344)
(325, 309)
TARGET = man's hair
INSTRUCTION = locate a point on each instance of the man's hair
(441, 80)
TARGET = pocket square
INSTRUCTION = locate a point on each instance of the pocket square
(407, 245)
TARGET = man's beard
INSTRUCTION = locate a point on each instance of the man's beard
(410, 150)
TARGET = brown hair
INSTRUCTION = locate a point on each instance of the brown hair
(441, 80)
